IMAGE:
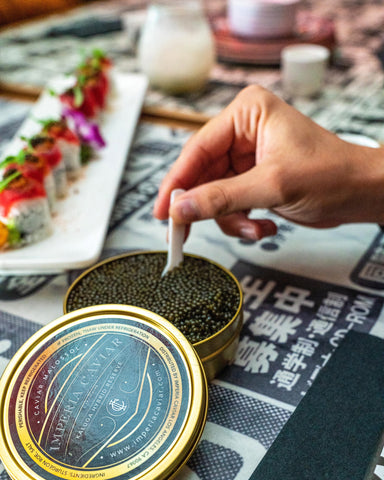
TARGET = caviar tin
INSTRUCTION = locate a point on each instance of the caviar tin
(109, 392)
(216, 350)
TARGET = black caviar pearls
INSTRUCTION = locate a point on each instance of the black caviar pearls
(198, 297)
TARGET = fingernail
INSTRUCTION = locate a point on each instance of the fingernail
(249, 233)
(268, 228)
(188, 210)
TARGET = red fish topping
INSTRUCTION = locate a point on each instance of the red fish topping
(59, 129)
(90, 92)
(46, 148)
(31, 166)
(16, 187)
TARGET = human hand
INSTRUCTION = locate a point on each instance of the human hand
(262, 153)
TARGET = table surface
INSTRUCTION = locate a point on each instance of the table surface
(303, 289)
(33, 52)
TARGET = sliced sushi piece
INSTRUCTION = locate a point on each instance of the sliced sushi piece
(68, 142)
(81, 97)
(36, 168)
(88, 132)
(47, 148)
(24, 211)
(95, 83)
(95, 72)
(100, 60)
(89, 95)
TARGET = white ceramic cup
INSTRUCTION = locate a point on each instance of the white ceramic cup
(303, 68)
(262, 18)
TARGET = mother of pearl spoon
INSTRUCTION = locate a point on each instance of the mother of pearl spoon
(176, 233)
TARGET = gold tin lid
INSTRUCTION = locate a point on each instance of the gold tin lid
(106, 392)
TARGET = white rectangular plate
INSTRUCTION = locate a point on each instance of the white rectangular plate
(81, 222)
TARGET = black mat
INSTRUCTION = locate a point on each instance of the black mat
(336, 430)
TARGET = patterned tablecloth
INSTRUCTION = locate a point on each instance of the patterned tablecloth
(303, 291)
(31, 54)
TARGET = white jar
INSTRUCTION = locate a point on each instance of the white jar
(176, 47)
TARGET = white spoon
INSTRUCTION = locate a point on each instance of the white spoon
(176, 233)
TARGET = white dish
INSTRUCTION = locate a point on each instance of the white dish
(262, 18)
(82, 219)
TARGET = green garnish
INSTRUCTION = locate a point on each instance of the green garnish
(27, 140)
(82, 80)
(19, 159)
(97, 56)
(13, 233)
(49, 122)
(7, 161)
(6, 181)
(86, 153)
(98, 53)
(78, 95)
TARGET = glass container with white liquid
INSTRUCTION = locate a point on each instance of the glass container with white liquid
(176, 47)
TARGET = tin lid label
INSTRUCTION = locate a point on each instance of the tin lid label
(102, 399)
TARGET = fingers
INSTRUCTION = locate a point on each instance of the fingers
(203, 158)
(228, 141)
(239, 225)
(253, 189)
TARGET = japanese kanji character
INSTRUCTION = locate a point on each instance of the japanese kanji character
(255, 357)
(328, 312)
(335, 299)
(325, 318)
(275, 326)
(255, 290)
(285, 379)
(319, 327)
(305, 346)
(292, 362)
(292, 299)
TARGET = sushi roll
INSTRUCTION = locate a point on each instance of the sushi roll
(82, 97)
(68, 143)
(24, 211)
(96, 83)
(36, 168)
(92, 88)
(99, 60)
(47, 149)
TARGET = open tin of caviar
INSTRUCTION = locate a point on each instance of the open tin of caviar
(107, 392)
(200, 297)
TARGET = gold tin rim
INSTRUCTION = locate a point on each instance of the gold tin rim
(224, 346)
(192, 430)
(146, 252)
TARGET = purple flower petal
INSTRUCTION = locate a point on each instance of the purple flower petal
(88, 132)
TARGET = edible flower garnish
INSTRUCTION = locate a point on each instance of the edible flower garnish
(88, 131)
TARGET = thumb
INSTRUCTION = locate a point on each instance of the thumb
(252, 189)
